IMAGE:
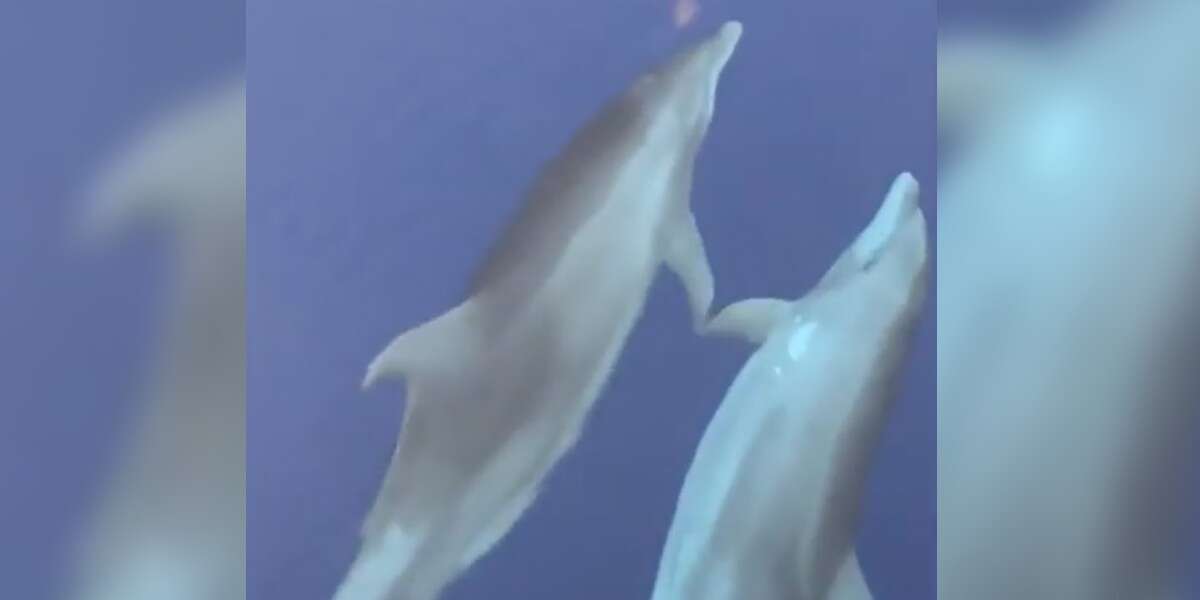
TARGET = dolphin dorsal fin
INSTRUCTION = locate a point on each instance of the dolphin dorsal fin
(436, 344)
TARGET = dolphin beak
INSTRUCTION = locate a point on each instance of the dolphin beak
(710, 58)
(724, 43)
(897, 208)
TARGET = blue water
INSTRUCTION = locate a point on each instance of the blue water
(390, 143)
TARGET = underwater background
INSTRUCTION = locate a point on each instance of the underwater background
(390, 143)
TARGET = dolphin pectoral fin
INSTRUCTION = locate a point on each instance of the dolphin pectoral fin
(751, 320)
(685, 256)
(439, 343)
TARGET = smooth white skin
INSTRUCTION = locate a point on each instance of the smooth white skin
(769, 508)
(1069, 229)
(173, 524)
(499, 387)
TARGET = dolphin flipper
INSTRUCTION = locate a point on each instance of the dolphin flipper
(685, 256)
(751, 320)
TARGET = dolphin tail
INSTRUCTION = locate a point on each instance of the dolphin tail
(428, 348)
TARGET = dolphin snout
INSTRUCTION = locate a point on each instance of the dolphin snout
(731, 32)
(897, 210)
(725, 42)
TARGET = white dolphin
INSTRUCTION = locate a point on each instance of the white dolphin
(1068, 237)
(172, 525)
(769, 508)
(499, 386)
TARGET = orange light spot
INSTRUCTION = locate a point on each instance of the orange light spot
(685, 12)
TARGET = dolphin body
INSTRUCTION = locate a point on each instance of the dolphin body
(769, 508)
(499, 386)
(1067, 322)
(172, 524)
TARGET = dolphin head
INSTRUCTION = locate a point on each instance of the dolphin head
(891, 249)
(680, 95)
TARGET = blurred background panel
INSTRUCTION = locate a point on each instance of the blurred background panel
(1135, 68)
(389, 145)
(80, 323)
(1044, 15)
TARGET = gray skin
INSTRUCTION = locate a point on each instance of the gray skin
(172, 525)
(499, 387)
(1067, 322)
(770, 506)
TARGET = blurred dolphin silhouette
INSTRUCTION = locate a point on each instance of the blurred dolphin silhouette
(172, 525)
(499, 386)
(1067, 322)
(769, 508)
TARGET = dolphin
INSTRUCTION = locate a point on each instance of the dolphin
(770, 506)
(500, 385)
(171, 525)
(1067, 322)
